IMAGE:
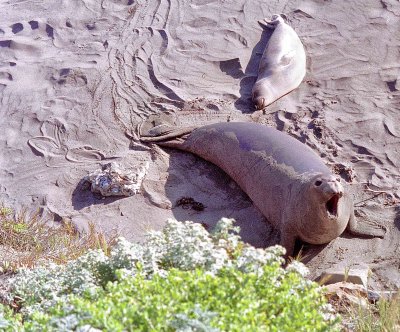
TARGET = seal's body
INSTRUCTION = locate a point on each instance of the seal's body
(284, 178)
(282, 65)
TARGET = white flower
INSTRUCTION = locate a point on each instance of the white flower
(182, 245)
(298, 267)
(126, 255)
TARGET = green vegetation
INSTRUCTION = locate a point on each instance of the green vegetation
(229, 301)
(181, 279)
(384, 316)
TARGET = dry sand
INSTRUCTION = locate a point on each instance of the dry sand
(76, 76)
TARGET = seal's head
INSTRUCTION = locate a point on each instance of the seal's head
(261, 95)
(328, 190)
(323, 218)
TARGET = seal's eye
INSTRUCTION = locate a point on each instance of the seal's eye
(318, 183)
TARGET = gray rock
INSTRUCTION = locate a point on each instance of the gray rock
(356, 275)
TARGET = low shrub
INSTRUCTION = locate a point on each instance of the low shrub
(182, 278)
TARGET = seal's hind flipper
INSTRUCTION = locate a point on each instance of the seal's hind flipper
(271, 24)
(156, 125)
(161, 127)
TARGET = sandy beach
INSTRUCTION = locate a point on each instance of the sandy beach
(76, 77)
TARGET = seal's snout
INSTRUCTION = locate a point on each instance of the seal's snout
(259, 103)
(332, 204)
(329, 186)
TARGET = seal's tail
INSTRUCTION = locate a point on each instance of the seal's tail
(160, 128)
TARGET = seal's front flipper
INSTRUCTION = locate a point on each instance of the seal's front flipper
(365, 228)
(287, 59)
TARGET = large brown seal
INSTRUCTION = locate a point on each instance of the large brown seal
(282, 65)
(284, 178)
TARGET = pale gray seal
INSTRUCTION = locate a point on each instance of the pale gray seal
(286, 180)
(282, 65)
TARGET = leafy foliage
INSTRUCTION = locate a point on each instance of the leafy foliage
(182, 279)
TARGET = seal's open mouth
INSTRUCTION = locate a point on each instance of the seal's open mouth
(332, 205)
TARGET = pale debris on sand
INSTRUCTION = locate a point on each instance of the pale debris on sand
(112, 180)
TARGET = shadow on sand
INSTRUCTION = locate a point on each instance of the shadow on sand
(397, 217)
(206, 184)
(82, 197)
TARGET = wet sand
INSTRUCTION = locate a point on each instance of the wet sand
(76, 77)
